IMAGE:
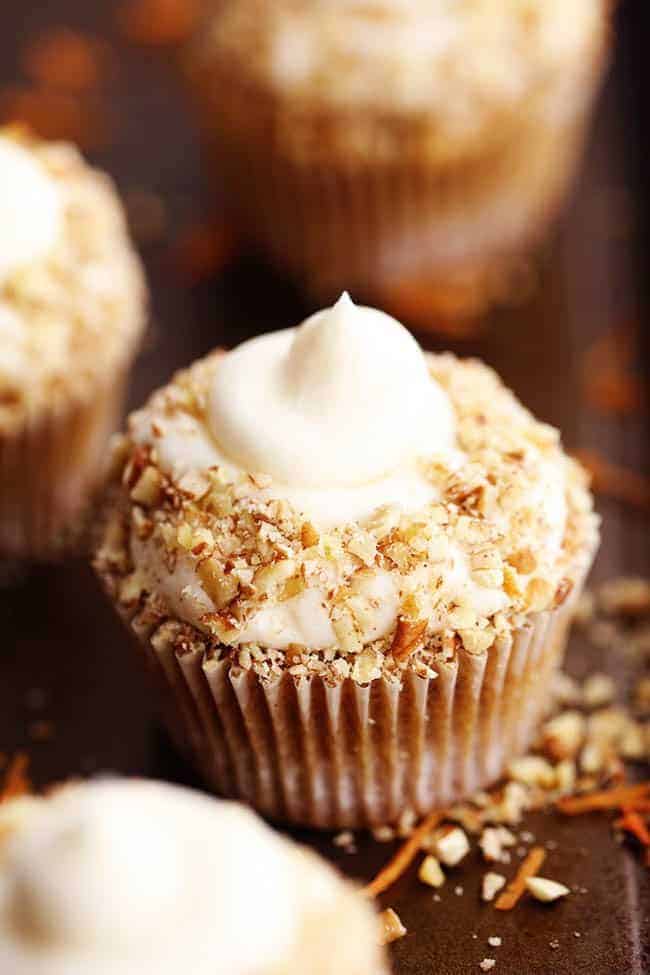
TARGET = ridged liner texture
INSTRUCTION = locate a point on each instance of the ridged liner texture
(51, 464)
(303, 751)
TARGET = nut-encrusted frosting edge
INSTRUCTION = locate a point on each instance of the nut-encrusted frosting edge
(78, 306)
(507, 532)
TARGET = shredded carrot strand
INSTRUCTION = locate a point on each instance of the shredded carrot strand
(517, 885)
(632, 823)
(395, 867)
(16, 781)
(616, 798)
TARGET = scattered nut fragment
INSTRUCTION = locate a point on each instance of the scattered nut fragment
(430, 872)
(494, 941)
(546, 890)
(343, 839)
(383, 834)
(532, 770)
(492, 841)
(492, 884)
(487, 964)
(148, 488)
(408, 637)
(390, 927)
(597, 690)
(563, 735)
(451, 846)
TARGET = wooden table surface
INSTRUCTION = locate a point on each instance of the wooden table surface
(63, 656)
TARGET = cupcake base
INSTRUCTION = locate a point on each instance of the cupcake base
(51, 465)
(305, 752)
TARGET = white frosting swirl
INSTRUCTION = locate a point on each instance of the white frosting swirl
(31, 209)
(126, 877)
(343, 400)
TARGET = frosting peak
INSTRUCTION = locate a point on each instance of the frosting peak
(31, 210)
(133, 876)
(344, 399)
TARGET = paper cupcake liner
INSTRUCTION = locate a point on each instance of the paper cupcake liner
(303, 751)
(350, 223)
(50, 466)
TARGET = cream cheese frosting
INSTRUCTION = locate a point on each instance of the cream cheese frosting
(337, 413)
(309, 491)
(131, 876)
(31, 208)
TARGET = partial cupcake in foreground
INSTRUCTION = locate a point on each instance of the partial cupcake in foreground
(350, 565)
(130, 877)
(364, 142)
(72, 311)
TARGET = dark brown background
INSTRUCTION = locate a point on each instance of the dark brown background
(62, 654)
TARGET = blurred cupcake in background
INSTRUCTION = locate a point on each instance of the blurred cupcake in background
(129, 877)
(365, 142)
(72, 310)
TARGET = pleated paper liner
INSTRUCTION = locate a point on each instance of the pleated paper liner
(307, 752)
(51, 464)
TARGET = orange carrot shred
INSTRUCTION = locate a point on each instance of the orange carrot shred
(517, 885)
(616, 798)
(395, 867)
(16, 781)
(632, 823)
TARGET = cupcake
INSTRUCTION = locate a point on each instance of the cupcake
(128, 877)
(350, 566)
(72, 309)
(364, 142)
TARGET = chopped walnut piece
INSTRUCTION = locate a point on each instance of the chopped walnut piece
(546, 890)
(598, 689)
(408, 637)
(487, 964)
(451, 846)
(532, 770)
(430, 872)
(147, 490)
(221, 588)
(563, 735)
(492, 884)
(308, 535)
(390, 927)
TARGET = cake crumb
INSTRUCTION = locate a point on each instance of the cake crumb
(459, 891)
(554, 944)
(494, 941)
(430, 872)
(487, 964)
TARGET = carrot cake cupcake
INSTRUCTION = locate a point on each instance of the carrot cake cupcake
(72, 309)
(351, 566)
(127, 877)
(367, 141)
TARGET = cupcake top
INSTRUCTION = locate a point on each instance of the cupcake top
(70, 283)
(121, 877)
(330, 499)
(456, 62)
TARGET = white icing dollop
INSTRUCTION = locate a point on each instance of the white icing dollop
(126, 877)
(345, 399)
(31, 209)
